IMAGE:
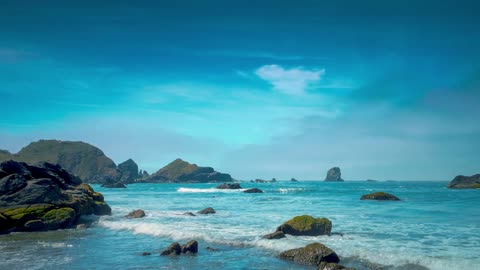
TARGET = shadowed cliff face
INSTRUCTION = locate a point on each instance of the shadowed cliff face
(81, 159)
(182, 171)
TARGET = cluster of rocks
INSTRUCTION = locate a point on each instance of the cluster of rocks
(191, 247)
(264, 181)
(44, 197)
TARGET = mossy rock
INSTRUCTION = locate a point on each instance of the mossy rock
(26, 211)
(312, 254)
(87, 188)
(306, 225)
(101, 208)
(475, 186)
(59, 218)
(97, 196)
(380, 196)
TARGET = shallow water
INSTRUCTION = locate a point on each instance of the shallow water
(432, 226)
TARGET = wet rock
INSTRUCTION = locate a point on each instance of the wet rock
(274, 235)
(253, 190)
(146, 253)
(35, 225)
(211, 249)
(206, 211)
(312, 254)
(229, 186)
(190, 247)
(380, 196)
(173, 249)
(139, 213)
(306, 225)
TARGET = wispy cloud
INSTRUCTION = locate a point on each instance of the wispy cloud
(294, 81)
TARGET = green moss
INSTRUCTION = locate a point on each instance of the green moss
(476, 185)
(32, 210)
(86, 187)
(101, 208)
(97, 196)
(61, 215)
(177, 168)
(306, 222)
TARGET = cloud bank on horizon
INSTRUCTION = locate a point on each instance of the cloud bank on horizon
(383, 90)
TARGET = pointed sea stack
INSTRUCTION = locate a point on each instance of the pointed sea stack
(334, 175)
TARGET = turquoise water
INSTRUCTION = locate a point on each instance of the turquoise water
(432, 226)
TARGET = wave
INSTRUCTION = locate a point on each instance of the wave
(208, 190)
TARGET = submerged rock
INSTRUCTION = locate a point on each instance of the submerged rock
(44, 197)
(139, 213)
(312, 254)
(461, 181)
(380, 196)
(334, 175)
(229, 186)
(146, 253)
(274, 235)
(206, 211)
(306, 225)
(253, 190)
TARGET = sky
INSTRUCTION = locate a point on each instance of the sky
(258, 89)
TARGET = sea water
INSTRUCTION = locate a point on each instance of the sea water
(431, 226)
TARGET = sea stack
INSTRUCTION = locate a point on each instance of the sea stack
(465, 182)
(334, 175)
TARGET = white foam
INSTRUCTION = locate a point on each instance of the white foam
(287, 190)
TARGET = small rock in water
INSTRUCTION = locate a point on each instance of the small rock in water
(173, 249)
(146, 253)
(211, 249)
(191, 247)
(312, 254)
(229, 186)
(380, 196)
(206, 211)
(253, 190)
(274, 235)
(139, 213)
(306, 225)
(189, 214)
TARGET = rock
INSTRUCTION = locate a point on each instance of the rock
(173, 249)
(461, 181)
(189, 214)
(380, 196)
(139, 213)
(146, 253)
(293, 180)
(334, 175)
(273, 180)
(206, 211)
(332, 266)
(128, 171)
(78, 158)
(211, 249)
(114, 185)
(229, 186)
(312, 254)
(44, 196)
(274, 235)
(180, 171)
(253, 190)
(190, 247)
(306, 225)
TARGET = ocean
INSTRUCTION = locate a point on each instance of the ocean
(431, 226)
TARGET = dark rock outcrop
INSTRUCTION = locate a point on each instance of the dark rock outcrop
(461, 181)
(253, 190)
(180, 171)
(175, 249)
(274, 235)
(229, 186)
(380, 196)
(128, 171)
(139, 213)
(206, 211)
(334, 175)
(114, 185)
(306, 225)
(312, 254)
(44, 197)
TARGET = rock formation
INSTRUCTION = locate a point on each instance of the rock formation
(139, 213)
(465, 182)
(180, 171)
(44, 197)
(334, 175)
(128, 171)
(191, 247)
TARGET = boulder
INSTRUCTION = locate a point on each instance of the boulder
(173, 249)
(190, 247)
(380, 196)
(461, 181)
(253, 190)
(206, 211)
(306, 225)
(274, 235)
(44, 197)
(229, 186)
(139, 213)
(312, 254)
(334, 175)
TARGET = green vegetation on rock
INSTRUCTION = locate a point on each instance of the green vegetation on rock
(380, 196)
(306, 225)
(59, 218)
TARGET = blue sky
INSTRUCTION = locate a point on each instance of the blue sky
(258, 89)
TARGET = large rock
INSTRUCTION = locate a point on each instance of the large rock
(380, 196)
(253, 190)
(44, 196)
(128, 171)
(81, 159)
(334, 175)
(461, 181)
(306, 225)
(312, 254)
(180, 171)
(229, 186)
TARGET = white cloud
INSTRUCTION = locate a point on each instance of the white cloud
(294, 81)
